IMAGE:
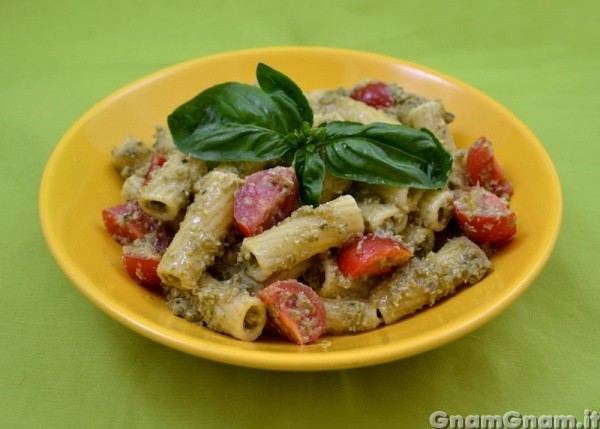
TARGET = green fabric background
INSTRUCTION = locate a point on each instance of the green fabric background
(64, 363)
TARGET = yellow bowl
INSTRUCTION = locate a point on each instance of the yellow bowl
(79, 181)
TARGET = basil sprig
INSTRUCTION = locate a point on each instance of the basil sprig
(273, 121)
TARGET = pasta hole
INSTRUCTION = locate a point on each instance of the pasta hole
(157, 207)
(443, 214)
(172, 281)
(254, 318)
(253, 268)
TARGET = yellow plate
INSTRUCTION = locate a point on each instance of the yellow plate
(79, 181)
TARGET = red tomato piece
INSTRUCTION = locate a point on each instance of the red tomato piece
(483, 169)
(295, 310)
(483, 216)
(375, 94)
(128, 222)
(371, 255)
(141, 266)
(156, 162)
(266, 198)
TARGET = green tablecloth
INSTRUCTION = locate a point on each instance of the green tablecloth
(64, 363)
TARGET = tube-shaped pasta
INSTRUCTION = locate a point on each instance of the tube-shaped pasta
(435, 209)
(162, 140)
(430, 115)
(406, 199)
(337, 106)
(201, 233)
(307, 232)
(130, 155)
(380, 217)
(335, 284)
(294, 272)
(391, 194)
(169, 190)
(414, 196)
(222, 306)
(424, 281)
(229, 308)
(457, 179)
(246, 168)
(418, 238)
(344, 316)
(333, 187)
(131, 187)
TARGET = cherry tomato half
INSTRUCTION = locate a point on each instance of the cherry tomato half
(127, 222)
(295, 310)
(371, 255)
(483, 169)
(483, 216)
(266, 198)
(375, 94)
(142, 267)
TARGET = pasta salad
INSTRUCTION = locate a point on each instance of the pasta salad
(263, 210)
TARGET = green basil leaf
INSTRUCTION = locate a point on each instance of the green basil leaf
(284, 91)
(231, 121)
(310, 171)
(236, 122)
(387, 154)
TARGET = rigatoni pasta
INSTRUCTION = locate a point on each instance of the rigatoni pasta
(130, 156)
(223, 306)
(334, 284)
(424, 281)
(169, 189)
(348, 316)
(382, 216)
(200, 237)
(307, 232)
(430, 115)
(435, 209)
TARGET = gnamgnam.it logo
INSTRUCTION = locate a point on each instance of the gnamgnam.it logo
(514, 420)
